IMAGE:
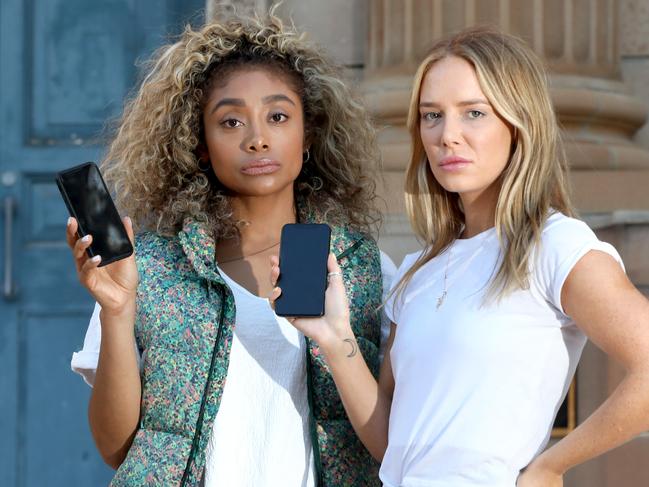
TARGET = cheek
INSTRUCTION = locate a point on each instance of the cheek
(430, 141)
(294, 149)
(494, 147)
(501, 149)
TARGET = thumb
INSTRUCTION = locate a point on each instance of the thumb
(128, 225)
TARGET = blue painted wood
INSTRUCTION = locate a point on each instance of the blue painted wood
(65, 69)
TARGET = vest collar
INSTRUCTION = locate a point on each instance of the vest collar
(342, 238)
(199, 245)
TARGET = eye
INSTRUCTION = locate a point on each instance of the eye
(231, 123)
(278, 117)
(476, 114)
(431, 116)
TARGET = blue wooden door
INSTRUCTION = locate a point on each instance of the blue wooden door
(65, 68)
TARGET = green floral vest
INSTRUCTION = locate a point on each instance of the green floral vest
(184, 325)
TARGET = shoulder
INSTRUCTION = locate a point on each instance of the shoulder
(567, 239)
(409, 260)
(149, 241)
(564, 241)
(351, 244)
(155, 250)
(559, 228)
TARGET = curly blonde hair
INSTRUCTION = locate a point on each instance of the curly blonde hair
(152, 165)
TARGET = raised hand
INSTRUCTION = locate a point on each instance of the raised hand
(333, 328)
(113, 286)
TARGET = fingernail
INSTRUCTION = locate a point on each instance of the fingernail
(86, 238)
(96, 258)
(69, 220)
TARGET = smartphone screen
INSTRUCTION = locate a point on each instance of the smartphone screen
(88, 200)
(303, 265)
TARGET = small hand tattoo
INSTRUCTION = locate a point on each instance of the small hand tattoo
(352, 342)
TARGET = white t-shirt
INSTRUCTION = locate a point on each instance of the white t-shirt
(261, 433)
(477, 388)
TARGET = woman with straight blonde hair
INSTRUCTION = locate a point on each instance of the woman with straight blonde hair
(489, 320)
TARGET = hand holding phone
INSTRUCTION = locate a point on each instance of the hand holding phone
(113, 286)
(331, 329)
(88, 201)
(304, 249)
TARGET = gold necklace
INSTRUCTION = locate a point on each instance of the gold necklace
(442, 297)
(459, 273)
(249, 255)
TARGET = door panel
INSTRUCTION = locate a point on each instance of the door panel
(67, 66)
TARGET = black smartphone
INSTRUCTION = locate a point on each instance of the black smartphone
(303, 256)
(88, 200)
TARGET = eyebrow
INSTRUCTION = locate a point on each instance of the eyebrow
(239, 102)
(475, 101)
(278, 97)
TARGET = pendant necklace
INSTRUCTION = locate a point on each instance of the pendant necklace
(442, 297)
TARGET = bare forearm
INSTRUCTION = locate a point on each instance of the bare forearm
(367, 406)
(622, 416)
(114, 408)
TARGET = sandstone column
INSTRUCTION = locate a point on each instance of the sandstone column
(578, 39)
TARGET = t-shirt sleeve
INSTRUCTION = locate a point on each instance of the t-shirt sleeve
(388, 270)
(84, 362)
(391, 307)
(563, 243)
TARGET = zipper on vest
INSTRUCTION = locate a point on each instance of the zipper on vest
(349, 250)
(199, 422)
(315, 446)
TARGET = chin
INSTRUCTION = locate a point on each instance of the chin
(454, 186)
(261, 188)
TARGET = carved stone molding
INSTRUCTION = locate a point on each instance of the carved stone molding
(578, 39)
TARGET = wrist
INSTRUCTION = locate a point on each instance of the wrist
(117, 317)
(546, 461)
(341, 344)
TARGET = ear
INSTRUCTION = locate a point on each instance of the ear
(307, 140)
(202, 152)
(306, 144)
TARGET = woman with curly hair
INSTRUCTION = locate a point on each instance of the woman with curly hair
(237, 129)
(490, 318)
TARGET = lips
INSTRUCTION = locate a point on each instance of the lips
(453, 163)
(453, 160)
(259, 167)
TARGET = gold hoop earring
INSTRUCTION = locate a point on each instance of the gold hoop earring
(308, 156)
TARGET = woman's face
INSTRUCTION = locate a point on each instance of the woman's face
(467, 143)
(254, 133)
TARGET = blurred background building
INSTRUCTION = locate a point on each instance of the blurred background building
(66, 66)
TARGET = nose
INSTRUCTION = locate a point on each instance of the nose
(451, 132)
(257, 140)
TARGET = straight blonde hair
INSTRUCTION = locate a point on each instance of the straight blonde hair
(534, 182)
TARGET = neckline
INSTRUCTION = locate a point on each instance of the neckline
(478, 238)
(232, 283)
